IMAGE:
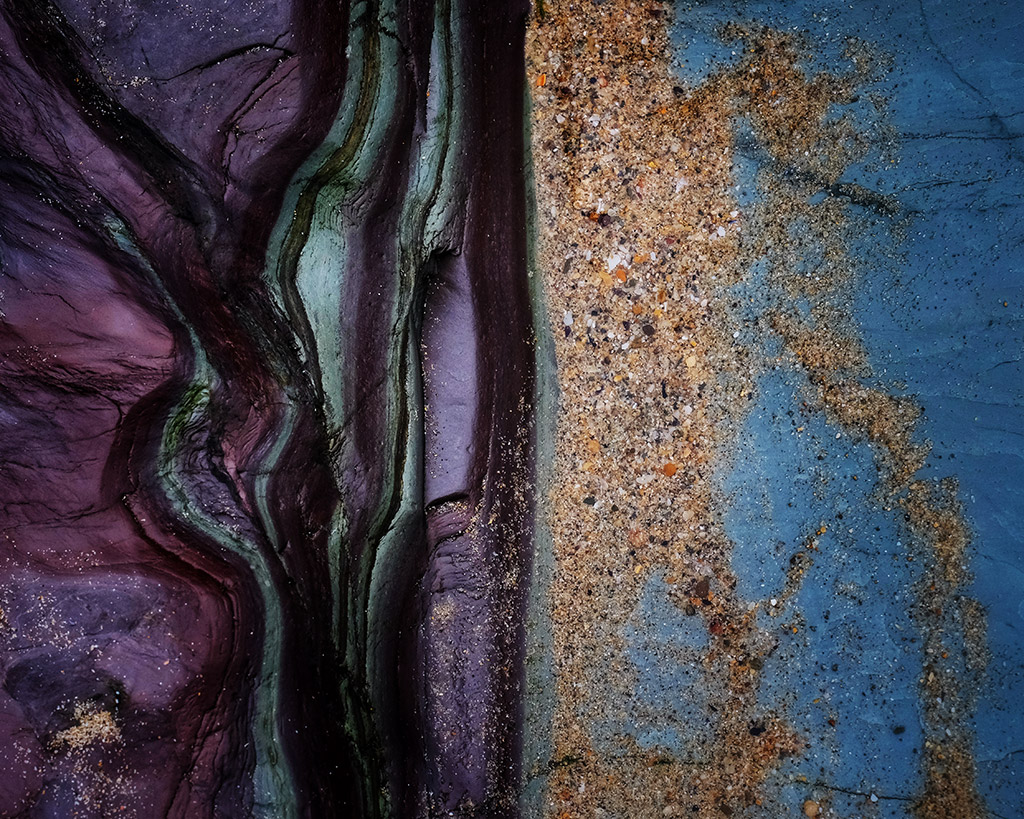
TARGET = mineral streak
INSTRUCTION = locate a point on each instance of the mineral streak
(267, 388)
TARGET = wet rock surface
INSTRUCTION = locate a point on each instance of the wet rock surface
(267, 383)
(608, 408)
(776, 309)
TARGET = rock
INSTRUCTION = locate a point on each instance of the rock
(227, 246)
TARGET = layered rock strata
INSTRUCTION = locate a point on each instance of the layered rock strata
(267, 388)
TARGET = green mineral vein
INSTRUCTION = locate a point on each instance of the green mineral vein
(274, 790)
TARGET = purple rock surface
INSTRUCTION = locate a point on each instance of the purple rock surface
(266, 381)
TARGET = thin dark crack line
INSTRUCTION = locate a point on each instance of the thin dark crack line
(235, 52)
(994, 116)
(868, 795)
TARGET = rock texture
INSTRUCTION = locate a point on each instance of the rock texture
(781, 249)
(267, 378)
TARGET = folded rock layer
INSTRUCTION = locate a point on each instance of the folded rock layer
(268, 371)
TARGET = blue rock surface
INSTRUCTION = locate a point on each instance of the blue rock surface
(940, 308)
